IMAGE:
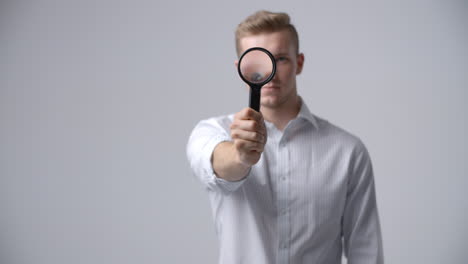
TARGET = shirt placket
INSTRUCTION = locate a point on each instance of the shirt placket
(283, 201)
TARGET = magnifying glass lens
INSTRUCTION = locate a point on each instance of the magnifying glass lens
(256, 66)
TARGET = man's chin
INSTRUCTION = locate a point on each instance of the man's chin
(270, 102)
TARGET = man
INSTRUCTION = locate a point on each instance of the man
(285, 186)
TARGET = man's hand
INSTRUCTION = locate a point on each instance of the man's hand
(249, 136)
(232, 160)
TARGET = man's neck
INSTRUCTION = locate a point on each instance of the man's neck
(280, 116)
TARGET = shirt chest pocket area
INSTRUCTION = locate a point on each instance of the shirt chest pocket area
(321, 198)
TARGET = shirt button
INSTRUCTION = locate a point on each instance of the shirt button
(283, 178)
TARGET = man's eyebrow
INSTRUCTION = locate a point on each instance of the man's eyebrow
(281, 54)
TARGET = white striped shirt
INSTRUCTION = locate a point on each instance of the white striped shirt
(311, 195)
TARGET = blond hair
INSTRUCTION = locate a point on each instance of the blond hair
(265, 22)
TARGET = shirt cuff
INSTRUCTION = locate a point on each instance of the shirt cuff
(230, 186)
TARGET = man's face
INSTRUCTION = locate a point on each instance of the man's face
(282, 88)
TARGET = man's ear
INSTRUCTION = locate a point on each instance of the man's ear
(300, 63)
(236, 62)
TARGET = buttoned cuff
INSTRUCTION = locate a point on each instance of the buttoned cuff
(230, 186)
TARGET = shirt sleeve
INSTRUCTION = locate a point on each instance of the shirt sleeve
(361, 227)
(202, 142)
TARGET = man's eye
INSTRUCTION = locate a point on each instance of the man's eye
(281, 59)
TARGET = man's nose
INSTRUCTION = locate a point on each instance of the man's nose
(275, 78)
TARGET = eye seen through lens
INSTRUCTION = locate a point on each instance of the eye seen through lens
(256, 66)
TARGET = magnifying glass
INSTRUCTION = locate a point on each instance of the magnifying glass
(256, 67)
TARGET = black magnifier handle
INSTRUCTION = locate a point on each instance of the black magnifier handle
(254, 101)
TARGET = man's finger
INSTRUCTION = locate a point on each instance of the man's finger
(249, 125)
(248, 135)
(249, 114)
(247, 146)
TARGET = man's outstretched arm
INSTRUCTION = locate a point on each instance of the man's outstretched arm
(232, 160)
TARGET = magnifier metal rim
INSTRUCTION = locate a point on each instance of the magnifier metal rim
(272, 72)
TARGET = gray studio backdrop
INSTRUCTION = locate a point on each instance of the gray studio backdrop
(98, 99)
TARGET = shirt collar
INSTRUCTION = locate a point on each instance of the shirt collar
(305, 113)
